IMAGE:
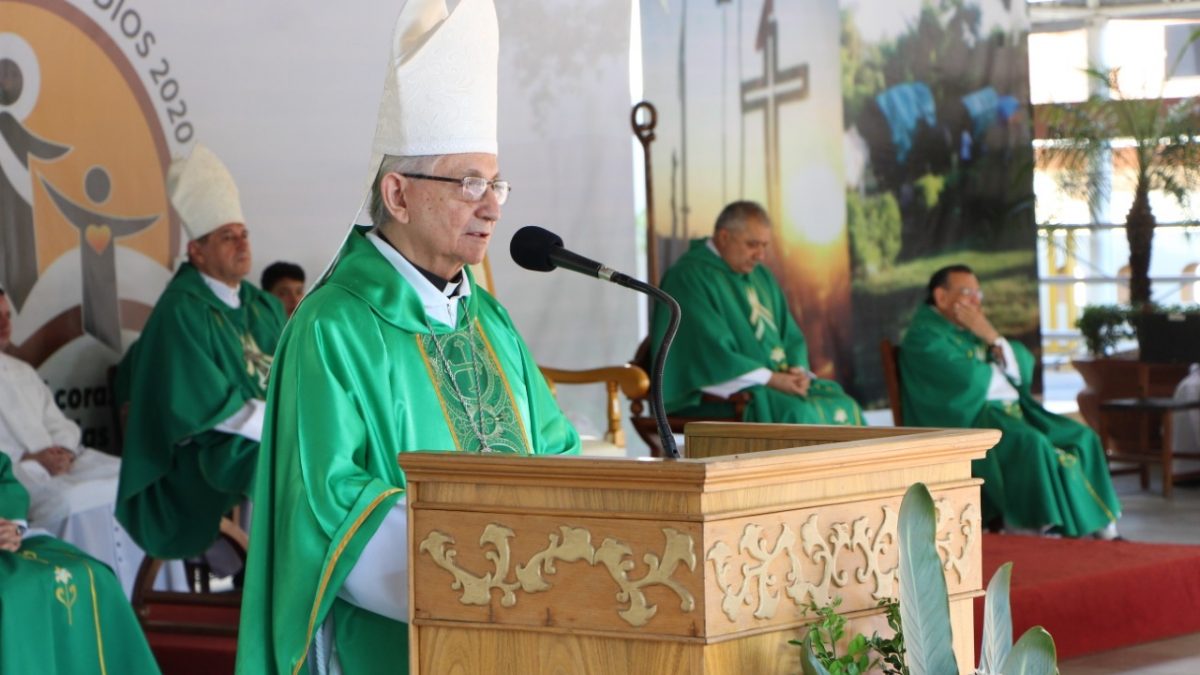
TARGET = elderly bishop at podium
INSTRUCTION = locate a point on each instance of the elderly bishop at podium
(396, 350)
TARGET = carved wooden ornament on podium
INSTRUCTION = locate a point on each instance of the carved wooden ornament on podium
(703, 565)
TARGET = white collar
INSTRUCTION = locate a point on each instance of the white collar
(712, 247)
(224, 293)
(440, 305)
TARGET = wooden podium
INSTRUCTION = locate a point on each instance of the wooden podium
(704, 565)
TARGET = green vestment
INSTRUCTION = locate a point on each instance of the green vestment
(62, 611)
(198, 362)
(1046, 470)
(357, 379)
(732, 324)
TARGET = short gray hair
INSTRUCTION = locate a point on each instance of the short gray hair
(737, 214)
(394, 164)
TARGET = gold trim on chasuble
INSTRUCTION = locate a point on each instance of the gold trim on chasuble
(328, 571)
(487, 399)
(96, 620)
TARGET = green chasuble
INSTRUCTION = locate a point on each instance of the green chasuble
(732, 324)
(358, 378)
(1046, 470)
(62, 611)
(198, 362)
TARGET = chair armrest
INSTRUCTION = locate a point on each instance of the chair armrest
(633, 381)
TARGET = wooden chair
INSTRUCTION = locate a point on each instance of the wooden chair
(889, 355)
(201, 612)
(627, 379)
(194, 631)
(642, 416)
(191, 633)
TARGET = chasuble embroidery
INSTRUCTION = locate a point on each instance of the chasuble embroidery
(760, 315)
(485, 407)
(258, 362)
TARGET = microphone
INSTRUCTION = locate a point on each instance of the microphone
(540, 250)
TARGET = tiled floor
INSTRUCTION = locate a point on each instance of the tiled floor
(1179, 656)
(1149, 517)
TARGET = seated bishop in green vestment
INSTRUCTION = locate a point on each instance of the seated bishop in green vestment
(1048, 472)
(61, 611)
(736, 333)
(199, 376)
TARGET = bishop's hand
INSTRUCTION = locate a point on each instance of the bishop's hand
(972, 318)
(795, 382)
(10, 535)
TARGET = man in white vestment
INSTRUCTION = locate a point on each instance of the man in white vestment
(72, 488)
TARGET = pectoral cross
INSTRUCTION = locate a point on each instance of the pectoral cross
(768, 93)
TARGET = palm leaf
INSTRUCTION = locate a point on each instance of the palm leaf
(924, 604)
(1034, 654)
(997, 622)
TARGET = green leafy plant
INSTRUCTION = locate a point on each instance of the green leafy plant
(823, 636)
(1103, 326)
(924, 610)
(890, 650)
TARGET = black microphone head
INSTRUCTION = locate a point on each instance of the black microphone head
(531, 247)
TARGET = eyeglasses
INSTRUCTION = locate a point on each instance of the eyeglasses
(969, 292)
(473, 187)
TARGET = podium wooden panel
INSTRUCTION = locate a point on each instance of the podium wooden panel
(529, 565)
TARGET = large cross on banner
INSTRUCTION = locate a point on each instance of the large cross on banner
(768, 93)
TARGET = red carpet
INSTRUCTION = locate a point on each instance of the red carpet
(1096, 595)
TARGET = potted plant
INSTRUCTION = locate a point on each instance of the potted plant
(1158, 152)
(1105, 374)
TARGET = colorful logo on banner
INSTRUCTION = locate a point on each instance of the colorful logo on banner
(85, 223)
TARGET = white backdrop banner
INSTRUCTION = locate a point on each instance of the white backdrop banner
(96, 97)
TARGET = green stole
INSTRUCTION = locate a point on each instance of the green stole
(198, 361)
(61, 611)
(1046, 469)
(358, 377)
(732, 324)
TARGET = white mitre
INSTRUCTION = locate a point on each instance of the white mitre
(439, 97)
(203, 193)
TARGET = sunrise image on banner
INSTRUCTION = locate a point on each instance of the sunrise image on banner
(749, 107)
